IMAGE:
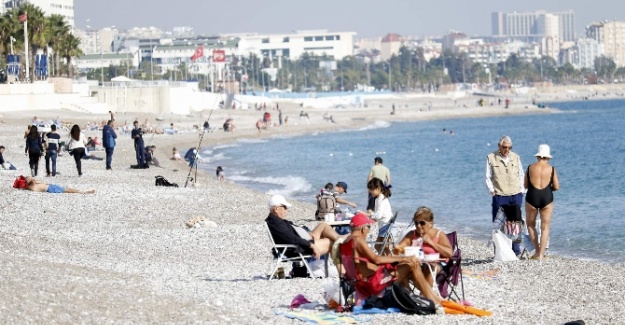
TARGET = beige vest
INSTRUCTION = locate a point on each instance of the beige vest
(505, 178)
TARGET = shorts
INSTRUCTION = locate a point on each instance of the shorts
(55, 189)
(383, 232)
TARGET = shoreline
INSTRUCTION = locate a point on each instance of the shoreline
(124, 254)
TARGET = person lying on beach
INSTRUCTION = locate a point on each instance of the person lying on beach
(402, 269)
(317, 242)
(37, 186)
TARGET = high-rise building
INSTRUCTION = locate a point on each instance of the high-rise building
(611, 34)
(524, 25)
(64, 8)
(548, 26)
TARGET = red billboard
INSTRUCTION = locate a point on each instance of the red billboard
(219, 56)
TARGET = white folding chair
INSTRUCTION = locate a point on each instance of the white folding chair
(280, 255)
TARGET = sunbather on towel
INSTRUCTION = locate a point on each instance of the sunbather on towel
(36, 186)
(402, 268)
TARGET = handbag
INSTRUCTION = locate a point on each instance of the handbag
(377, 281)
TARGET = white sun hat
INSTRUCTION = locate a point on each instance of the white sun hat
(543, 151)
(278, 200)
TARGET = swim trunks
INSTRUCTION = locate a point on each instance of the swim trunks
(539, 198)
(55, 189)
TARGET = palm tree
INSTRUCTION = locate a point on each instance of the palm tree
(69, 48)
(56, 29)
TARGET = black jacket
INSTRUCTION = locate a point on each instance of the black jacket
(283, 232)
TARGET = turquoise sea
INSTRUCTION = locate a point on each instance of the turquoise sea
(446, 172)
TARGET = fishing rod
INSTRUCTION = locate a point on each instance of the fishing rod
(197, 153)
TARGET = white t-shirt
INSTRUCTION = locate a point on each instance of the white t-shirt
(382, 213)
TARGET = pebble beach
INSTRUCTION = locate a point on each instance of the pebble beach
(124, 254)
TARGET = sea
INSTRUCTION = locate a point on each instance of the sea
(446, 172)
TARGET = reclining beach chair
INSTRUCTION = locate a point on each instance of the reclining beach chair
(450, 276)
(389, 240)
(283, 253)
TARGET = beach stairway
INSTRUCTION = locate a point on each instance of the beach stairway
(87, 107)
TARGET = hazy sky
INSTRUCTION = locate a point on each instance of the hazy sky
(367, 18)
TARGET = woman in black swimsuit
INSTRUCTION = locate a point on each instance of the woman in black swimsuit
(541, 180)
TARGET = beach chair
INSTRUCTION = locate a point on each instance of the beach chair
(449, 279)
(388, 240)
(283, 253)
(348, 277)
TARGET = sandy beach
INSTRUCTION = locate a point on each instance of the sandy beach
(124, 254)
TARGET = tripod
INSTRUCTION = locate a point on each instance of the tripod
(195, 157)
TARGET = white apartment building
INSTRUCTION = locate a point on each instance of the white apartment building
(612, 35)
(64, 8)
(490, 53)
(101, 61)
(94, 41)
(521, 25)
(586, 51)
(548, 25)
(315, 42)
(169, 57)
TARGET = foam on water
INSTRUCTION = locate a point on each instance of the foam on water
(288, 185)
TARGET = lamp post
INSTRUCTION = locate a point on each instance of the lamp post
(12, 40)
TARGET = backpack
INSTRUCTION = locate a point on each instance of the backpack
(162, 181)
(20, 183)
(326, 203)
(407, 302)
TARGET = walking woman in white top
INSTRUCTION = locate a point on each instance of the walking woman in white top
(77, 144)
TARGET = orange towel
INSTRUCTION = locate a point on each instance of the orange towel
(456, 307)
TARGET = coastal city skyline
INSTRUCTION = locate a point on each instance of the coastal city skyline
(395, 16)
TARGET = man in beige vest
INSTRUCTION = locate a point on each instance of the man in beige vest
(504, 176)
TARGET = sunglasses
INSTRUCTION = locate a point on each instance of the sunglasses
(420, 223)
(285, 207)
(506, 147)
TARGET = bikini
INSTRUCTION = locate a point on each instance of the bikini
(539, 198)
(427, 249)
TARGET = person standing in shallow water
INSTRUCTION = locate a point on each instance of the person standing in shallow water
(541, 180)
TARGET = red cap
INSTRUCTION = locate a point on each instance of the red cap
(361, 219)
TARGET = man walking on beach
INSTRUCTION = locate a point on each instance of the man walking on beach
(108, 141)
(137, 135)
(504, 177)
(52, 140)
(378, 170)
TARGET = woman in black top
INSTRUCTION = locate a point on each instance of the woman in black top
(34, 149)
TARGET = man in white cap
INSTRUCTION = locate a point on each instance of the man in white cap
(318, 242)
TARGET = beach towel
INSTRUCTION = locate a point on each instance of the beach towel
(321, 317)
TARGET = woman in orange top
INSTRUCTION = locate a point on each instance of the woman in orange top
(431, 240)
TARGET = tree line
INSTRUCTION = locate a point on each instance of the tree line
(51, 35)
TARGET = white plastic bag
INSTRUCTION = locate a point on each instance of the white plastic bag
(318, 268)
(503, 247)
(331, 292)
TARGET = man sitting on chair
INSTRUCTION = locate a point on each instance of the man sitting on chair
(402, 269)
(317, 242)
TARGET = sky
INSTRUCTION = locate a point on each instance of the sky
(368, 18)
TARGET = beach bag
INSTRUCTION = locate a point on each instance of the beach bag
(162, 181)
(503, 247)
(407, 302)
(20, 183)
